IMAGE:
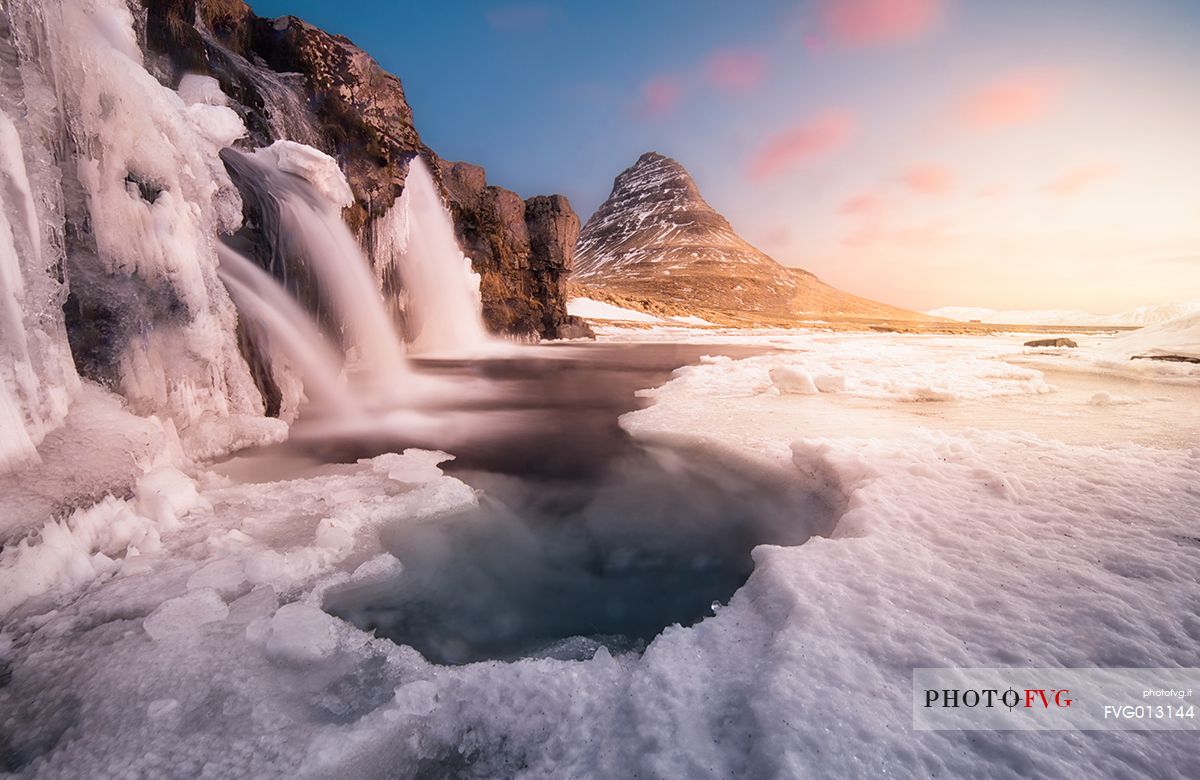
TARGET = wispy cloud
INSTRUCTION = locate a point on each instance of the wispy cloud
(851, 23)
(814, 138)
(1013, 99)
(1077, 180)
(928, 179)
(659, 96)
(863, 204)
(736, 70)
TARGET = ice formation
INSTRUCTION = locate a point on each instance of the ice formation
(131, 166)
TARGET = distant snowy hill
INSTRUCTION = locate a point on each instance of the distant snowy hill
(1142, 315)
(657, 243)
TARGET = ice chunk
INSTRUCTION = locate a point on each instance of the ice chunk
(792, 380)
(830, 383)
(258, 603)
(204, 90)
(315, 166)
(224, 575)
(185, 614)
(1105, 398)
(165, 494)
(301, 633)
(413, 467)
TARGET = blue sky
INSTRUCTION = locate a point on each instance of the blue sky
(924, 152)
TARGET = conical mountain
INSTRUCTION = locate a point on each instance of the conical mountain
(656, 242)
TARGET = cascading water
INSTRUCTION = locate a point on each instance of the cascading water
(291, 333)
(443, 311)
(296, 192)
(318, 285)
(299, 191)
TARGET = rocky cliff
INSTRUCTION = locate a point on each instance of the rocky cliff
(290, 80)
(657, 245)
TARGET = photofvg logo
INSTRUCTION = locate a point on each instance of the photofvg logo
(1027, 699)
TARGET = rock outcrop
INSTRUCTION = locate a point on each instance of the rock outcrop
(522, 250)
(656, 244)
(291, 80)
(1055, 342)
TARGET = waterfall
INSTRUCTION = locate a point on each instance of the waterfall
(340, 342)
(299, 191)
(443, 311)
(291, 333)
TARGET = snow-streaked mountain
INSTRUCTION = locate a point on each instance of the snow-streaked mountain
(1142, 315)
(656, 239)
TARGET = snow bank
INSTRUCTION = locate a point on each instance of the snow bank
(1177, 337)
(871, 367)
(1113, 355)
(591, 309)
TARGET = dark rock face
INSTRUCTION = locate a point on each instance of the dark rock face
(522, 249)
(291, 80)
(1058, 342)
(1168, 358)
(657, 245)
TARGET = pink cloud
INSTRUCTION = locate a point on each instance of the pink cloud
(812, 139)
(864, 203)
(1013, 99)
(659, 96)
(1076, 180)
(928, 179)
(736, 69)
(876, 22)
(814, 44)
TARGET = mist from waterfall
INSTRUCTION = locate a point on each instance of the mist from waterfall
(442, 306)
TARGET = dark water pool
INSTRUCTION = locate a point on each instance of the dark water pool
(583, 536)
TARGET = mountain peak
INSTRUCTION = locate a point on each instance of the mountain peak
(655, 237)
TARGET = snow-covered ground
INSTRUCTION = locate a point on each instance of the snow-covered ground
(591, 309)
(998, 507)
